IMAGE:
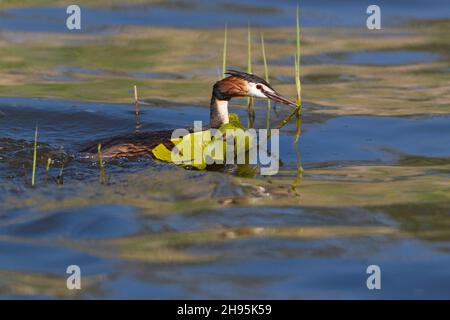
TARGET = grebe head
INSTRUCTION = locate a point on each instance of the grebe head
(243, 84)
(240, 84)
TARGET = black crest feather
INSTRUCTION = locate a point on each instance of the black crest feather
(248, 76)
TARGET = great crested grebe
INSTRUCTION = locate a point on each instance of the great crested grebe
(237, 84)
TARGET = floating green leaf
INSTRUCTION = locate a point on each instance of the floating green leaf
(203, 145)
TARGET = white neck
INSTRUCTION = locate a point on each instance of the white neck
(218, 115)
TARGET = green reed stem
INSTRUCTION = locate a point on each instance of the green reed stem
(287, 119)
(297, 29)
(249, 48)
(224, 57)
(298, 83)
(266, 76)
(102, 168)
(298, 124)
(298, 110)
(33, 175)
(281, 125)
(250, 102)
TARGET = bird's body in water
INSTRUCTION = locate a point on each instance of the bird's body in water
(237, 84)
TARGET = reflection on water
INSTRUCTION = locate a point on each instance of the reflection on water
(207, 14)
(174, 223)
(364, 58)
(374, 147)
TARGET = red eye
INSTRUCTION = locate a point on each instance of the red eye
(258, 86)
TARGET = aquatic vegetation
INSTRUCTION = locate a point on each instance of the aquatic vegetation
(266, 76)
(204, 146)
(33, 175)
(136, 110)
(224, 55)
(373, 185)
(103, 179)
(298, 115)
(47, 170)
(136, 102)
(60, 177)
(298, 60)
(250, 100)
(299, 176)
(298, 84)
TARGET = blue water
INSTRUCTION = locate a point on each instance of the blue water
(357, 138)
(38, 242)
(80, 221)
(214, 14)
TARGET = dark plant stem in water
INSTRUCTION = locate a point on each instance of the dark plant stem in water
(33, 175)
(298, 124)
(60, 179)
(136, 110)
(102, 168)
(287, 119)
(281, 125)
(298, 132)
(47, 170)
(251, 113)
(297, 181)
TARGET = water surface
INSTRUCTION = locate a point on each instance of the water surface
(374, 148)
